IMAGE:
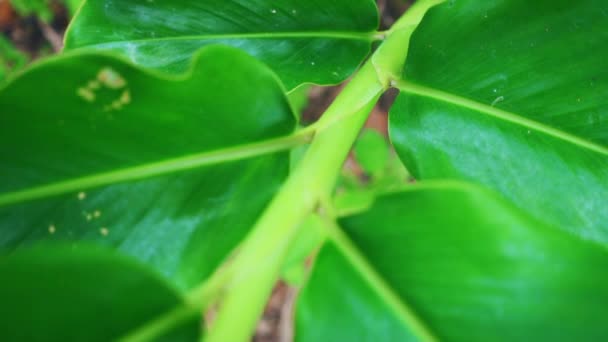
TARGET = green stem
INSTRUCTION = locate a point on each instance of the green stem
(259, 260)
(261, 256)
(248, 280)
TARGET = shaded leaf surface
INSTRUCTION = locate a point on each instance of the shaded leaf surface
(61, 293)
(181, 223)
(467, 265)
(303, 41)
(372, 152)
(509, 95)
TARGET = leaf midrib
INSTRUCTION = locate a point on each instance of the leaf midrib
(157, 168)
(520, 120)
(384, 290)
(346, 35)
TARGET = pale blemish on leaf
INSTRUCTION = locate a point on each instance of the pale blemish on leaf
(52, 229)
(82, 195)
(93, 85)
(87, 216)
(123, 100)
(104, 231)
(106, 78)
(497, 100)
(110, 78)
(86, 94)
(91, 216)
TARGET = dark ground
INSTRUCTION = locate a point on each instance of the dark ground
(36, 38)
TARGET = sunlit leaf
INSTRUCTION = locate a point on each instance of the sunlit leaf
(512, 95)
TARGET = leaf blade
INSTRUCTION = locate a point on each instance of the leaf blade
(58, 293)
(483, 270)
(516, 113)
(179, 222)
(295, 38)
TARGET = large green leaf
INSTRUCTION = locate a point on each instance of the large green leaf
(512, 95)
(62, 293)
(175, 166)
(451, 262)
(303, 40)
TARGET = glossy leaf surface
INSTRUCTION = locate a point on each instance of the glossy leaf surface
(177, 167)
(512, 95)
(61, 293)
(302, 40)
(452, 262)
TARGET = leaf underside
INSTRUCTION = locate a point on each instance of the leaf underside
(303, 41)
(459, 264)
(63, 293)
(512, 97)
(106, 115)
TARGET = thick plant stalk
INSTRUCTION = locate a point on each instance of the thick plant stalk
(262, 253)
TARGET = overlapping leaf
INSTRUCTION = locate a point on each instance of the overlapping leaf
(512, 95)
(450, 262)
(171, 171)
(63, 293)
(303, 40)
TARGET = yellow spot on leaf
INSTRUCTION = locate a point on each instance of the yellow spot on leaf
(104, 231)
(96, 213)
(52, 229)
(125, 97)
(93, 85)
(86, 94)
(110, 78)
(82, 195)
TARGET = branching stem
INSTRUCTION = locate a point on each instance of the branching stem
(260, 258)
(247, 281)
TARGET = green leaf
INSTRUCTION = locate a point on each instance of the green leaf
(371, 151)
(512, 95)
(309, 238)
(67, 293)
(299, 99)
(449, 261)
(303, 41)
(173, 171)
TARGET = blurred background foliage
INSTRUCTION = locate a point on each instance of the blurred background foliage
(31, 29)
